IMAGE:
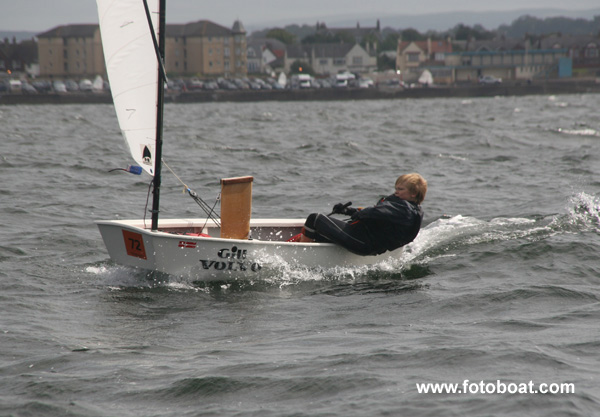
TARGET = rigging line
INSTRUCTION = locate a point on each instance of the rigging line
(207, 209)
(218, 223)
(210, 211)
(172, 172)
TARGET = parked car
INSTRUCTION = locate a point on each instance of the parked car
(15, 86)
(27, 88)
(275, 84)
(341, 83)
(227, 85)
(42, 86)
(254, 85)
(71, 85)
(194, 84)
(325, 83)
(241, 84)
(365, 83)
(59, 87)
(174, 85)
(85, 85)
(209, 85)
(489, 79)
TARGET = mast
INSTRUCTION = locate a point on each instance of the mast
(160, 52)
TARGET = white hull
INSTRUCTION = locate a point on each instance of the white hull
(176, 249)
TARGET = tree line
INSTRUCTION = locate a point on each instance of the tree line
(522, 27)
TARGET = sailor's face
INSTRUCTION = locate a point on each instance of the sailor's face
(403, 193)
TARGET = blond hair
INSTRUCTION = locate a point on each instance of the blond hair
(416, 184)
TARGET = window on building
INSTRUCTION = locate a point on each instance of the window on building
(357, 60)
(591, 51)
(226, 51)
(412, 57)
(339, 62)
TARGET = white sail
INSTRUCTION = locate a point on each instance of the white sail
(98, 84)
(132, 67)
(426, 78)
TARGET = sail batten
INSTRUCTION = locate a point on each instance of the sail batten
(132, 69)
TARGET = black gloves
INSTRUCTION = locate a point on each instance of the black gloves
(341, 208)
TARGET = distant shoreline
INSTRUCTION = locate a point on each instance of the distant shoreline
(466, 91)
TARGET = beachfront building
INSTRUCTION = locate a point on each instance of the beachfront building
(508, 60)
(206, 49)
(583, 50)
(265, 55)
(414, 57)
(332, 58)
(71, 51)
(201, 48)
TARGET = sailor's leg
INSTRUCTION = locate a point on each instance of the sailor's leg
(351, 236)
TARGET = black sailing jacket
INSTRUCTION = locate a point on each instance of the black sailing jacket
(391, 223)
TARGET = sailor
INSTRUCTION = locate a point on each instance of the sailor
(393, 222)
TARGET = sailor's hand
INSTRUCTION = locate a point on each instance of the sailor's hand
(341, 208)
(351, 211)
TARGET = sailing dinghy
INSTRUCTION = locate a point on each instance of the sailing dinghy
(232, 247)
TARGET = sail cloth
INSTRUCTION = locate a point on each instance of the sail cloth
(132, 67)
(426, 78)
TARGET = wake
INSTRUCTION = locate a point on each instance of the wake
(449, 236)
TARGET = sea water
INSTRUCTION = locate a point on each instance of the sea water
(498, 297)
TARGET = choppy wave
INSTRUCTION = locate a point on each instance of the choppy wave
(584, 212)
(504, 287)
(578, 132)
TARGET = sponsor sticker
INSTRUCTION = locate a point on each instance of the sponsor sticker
(189, 245)
(231, 259)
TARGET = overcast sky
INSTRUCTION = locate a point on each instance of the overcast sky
(42, 15)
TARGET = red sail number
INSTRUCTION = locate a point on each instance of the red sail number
(134, 244)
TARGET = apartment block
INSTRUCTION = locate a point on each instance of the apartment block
(201, 48)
